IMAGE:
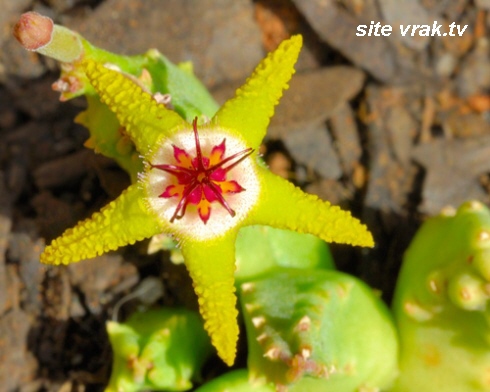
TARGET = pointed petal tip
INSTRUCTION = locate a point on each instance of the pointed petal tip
(60, 252)
(285, 206)
(249, 112)
(229, 361)
(106, 230)
(364, 238)
(227, 352)
(343, 228)
(47, 257)
(295, 42)
(222, 328)
(214, 285)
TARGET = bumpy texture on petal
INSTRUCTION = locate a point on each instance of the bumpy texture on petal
(250, 111)
(211, 265)
(123, 221)
(285, 206)
(144, 119)
(208, 249)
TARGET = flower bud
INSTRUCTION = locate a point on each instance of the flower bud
(33, 30)
(39, 33)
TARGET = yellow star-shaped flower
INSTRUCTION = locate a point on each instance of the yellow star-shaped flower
(201, 184)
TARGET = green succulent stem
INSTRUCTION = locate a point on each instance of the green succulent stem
(441, 303)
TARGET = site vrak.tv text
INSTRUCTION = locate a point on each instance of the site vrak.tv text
(423, 30)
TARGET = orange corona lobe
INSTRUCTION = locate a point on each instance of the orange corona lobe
(202, 180)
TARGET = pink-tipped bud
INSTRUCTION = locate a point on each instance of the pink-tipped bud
(33, 30)
(39, 33)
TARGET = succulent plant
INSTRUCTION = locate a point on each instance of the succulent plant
(273, 249)
(235, 381)
(318, 330)
(159, 349)
(196, 178)
(441, 304)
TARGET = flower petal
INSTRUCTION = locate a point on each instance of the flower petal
(219, 174)
(211, 265)
(217, 153)
(145, 120)
(173, 190)
(182, 157)
(195, 196)
(250, 111)
(284, 206)
(210, 192)
(204, 210)
(123, 221)
(230, 187)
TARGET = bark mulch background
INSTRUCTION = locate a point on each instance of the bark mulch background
(393, 128)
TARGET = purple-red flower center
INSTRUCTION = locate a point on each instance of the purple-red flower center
(202, 180)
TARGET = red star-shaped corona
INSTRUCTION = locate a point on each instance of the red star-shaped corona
(202, 180)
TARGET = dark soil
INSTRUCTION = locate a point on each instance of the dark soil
(393, 128)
